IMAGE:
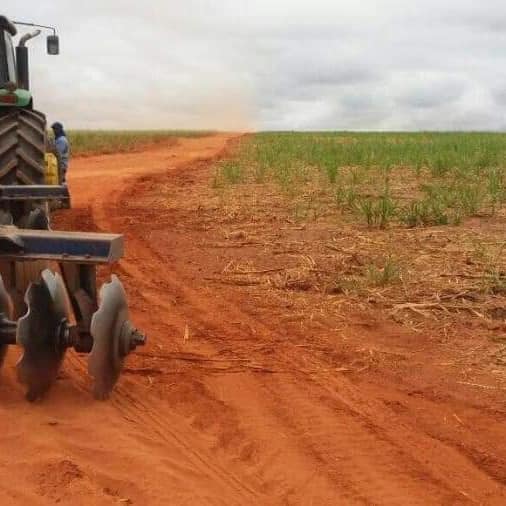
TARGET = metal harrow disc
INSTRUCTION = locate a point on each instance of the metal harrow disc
(114, 338)
(39, 333)
(6, 308)
(106, 358)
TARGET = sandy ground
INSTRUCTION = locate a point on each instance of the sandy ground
(229, 403)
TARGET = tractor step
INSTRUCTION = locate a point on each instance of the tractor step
(34, 192)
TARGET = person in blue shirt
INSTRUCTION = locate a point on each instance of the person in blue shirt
(62, 146)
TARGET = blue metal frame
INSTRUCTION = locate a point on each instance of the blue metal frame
(79, 247)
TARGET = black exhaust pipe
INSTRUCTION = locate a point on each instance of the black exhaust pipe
(23, 69)
(22, 60)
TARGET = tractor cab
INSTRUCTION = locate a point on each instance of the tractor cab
(14, 64)
(7, 54)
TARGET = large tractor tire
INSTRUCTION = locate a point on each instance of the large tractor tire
(22, 147)
(22, 162)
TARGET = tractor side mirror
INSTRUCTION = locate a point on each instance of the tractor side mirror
(53, 45)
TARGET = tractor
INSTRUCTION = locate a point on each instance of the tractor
(49, 301)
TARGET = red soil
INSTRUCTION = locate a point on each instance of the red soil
(232, 402)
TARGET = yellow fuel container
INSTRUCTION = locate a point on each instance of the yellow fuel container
(51, 176)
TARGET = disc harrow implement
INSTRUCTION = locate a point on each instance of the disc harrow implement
(61, 309)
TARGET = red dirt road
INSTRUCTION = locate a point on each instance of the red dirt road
(226, 405)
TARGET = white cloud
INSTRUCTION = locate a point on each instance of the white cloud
(288, 64)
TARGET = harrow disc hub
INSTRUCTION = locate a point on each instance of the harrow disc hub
(114, 337)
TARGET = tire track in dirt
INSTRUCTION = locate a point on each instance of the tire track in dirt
(168, 430)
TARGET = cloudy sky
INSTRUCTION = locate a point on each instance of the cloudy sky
(271, 64)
